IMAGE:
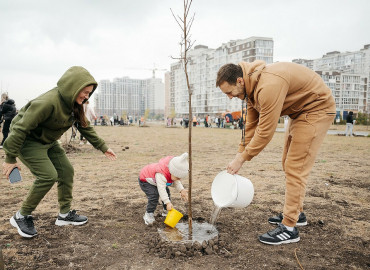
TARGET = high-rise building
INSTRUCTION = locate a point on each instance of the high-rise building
(129, 96)
(349, 90)
(348, 76)
(304, 62)
(203, 64)
(167, 94)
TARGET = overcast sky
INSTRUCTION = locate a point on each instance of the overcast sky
(41, 39)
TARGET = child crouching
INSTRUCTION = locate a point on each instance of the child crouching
(155, 179)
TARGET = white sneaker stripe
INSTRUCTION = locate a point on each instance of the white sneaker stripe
(283, 236)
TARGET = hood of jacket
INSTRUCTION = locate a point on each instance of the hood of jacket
(72, 82)
(251, 74)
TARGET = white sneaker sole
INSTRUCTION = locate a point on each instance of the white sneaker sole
(14, 224)
(64, 223)
(297, 224)
(282, 242)
(148, 223)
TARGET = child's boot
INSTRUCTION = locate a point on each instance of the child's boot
(149, 218)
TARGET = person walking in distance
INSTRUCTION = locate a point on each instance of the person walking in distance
(349, 125)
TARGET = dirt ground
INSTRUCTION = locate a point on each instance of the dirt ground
(337, 206)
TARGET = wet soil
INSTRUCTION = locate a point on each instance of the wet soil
(337, 207)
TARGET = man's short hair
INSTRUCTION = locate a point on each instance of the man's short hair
(229, 73)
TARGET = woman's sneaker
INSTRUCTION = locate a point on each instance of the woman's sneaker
(71, 219)
(24, 225)
(280, 235)
(302, 221)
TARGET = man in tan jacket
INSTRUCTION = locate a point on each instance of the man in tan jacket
(272, 91)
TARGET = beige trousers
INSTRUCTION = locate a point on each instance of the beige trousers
(303, 138)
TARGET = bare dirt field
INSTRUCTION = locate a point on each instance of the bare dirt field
(337, 206)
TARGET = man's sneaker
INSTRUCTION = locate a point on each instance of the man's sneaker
(24, 226)
(71, 219)
(302, 221)
(149, 218)
(280, 235)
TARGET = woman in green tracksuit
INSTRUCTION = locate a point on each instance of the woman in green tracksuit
(34, 140)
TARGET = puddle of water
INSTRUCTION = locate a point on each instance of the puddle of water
(200, 232)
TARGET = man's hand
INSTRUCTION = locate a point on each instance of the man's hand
(169, 206)
(8, 167)
(184, 195)
(235, 165)
(110, 154)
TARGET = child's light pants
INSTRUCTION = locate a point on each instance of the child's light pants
(303, 138)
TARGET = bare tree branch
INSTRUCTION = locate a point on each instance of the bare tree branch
(176, 20)
(180, 19)
(190, 23)
(188, 8)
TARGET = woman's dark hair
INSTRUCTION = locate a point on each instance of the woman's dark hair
(229, 73)
(79, 114)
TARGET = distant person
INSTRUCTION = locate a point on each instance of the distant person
(240, 123)
(194, 121)
(272, 91)
(115, 119)
(217, 122)
(34, 140)
(155, 180)
(186, 122)
(349, 125)
(141, 121)
(90, 116)
(7, 113)
(209, 121)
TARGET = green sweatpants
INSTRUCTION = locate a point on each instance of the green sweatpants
(49, 164)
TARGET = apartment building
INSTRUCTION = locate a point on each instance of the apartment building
(203, 64)
(129, 96)
(349, 90)
(348, 76)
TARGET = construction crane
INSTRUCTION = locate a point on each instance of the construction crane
(154, 69)
(160, 69)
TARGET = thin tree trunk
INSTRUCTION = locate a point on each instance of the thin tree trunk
(183, 58)
(190, 214)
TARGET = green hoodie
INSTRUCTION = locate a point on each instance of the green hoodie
(47, 117)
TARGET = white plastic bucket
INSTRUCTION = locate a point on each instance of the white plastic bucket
(231, 190)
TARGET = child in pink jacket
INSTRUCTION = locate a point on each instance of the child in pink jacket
(155, 179)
